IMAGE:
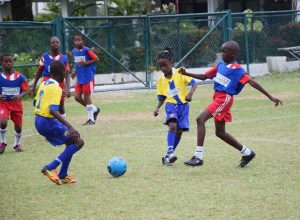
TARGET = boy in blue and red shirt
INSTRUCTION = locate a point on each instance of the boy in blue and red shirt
(85, 68)
(44, 71)
(13, 86)
(229, 79)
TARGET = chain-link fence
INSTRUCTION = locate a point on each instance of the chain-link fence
(129, 45)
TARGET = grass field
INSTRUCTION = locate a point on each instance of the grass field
(268, 188)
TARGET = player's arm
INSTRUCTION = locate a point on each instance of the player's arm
(161, 97)
(68, 80)
(196, 76)
(24, 89)
(56, 114)
(257, 86)
(38, 75)
(193, 84)
(161, 100)
(93, 56)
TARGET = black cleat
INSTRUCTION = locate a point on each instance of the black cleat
(194, 161)
(89, 122)
(246, 159)
(168, 160)
(96, 114)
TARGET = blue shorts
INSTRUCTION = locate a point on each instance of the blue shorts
(54, 131)
(178, 113)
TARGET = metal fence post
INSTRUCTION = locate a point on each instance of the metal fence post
(59, 31)
(229, 25)
(147, 53)
(246, 42)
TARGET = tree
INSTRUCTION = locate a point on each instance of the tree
(21, 10)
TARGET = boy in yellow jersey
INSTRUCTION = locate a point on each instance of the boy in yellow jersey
(171, 88)
(50, 124)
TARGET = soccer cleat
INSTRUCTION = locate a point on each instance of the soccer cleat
(194, 161)
(18, 148)
(2, 147)
(96, 114)
(68, 180)
(246, 159)
(168, 160)
(52, 175)
(89, 122)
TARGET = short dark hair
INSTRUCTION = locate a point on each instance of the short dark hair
(166, 53)
(79, 35)
(51, 39)
(234, 45)
(5, 55)
(57, 67)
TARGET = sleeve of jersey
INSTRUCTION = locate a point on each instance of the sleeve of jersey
(41, 64)
(92, 55)
(245, 79)
(55, 99)
(189, 81)
(24, 86)
(211, 73)
(159, 91)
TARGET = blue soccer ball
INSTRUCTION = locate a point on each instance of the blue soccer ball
(116, 166)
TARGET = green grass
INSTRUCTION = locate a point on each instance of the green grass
(269, 188)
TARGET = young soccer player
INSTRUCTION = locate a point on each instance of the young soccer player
(171, 89)
(13, 86)
(50, 124)
(44, 71)
(85, 68)
(229, 79)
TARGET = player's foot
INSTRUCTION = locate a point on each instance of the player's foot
(168, 160)
(68, 180)
(2, 147)
(194, 161)
(89, 122)
(52, 175)
(96, 113)
(246, 159)
(18, 148)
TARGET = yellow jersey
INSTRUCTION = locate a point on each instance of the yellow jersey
(47, 98)
(174, 90)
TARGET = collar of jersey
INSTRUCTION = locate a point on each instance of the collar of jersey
(53, 80)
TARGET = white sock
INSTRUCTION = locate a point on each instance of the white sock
(64, 116)
(94, 108)
(3, 135)
(90, 109)
(199, 152)
(245, 151)
(17, 138)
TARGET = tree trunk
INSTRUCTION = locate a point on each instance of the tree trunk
(21, 10)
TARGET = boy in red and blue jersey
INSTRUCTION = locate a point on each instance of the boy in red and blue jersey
(44, 71)
(85, 68)
(13, 86)
(229, 79)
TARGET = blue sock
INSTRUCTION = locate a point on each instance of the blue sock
(170, 141)
(55, 163)
(65, 158)
(176, 142)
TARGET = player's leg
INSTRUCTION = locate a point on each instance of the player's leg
(92, 110)
(197, 159)
(247, 153)
(183, 123)
(72, 146)
(61, 109)
(78, 94)
(17, 117)
(170, 157)
(177, 138)
(3, 132)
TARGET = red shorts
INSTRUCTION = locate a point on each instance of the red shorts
(220, 106)
(86, 88)
(61, 85)
(12, 110)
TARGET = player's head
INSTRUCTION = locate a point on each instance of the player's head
(79, 40)
(57, 70)
(229, 51)
(7, 61)
(165, 60)
(54, 43)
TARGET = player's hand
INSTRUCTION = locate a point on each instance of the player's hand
(64, 93)
(74, 133)
(156, 112)
(31, 92)
(16, 98)
(182, 71)
(2, 97)
(276, 101)
(188, 98)
(81, 63)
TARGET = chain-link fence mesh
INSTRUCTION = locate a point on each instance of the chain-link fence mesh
(130, 45)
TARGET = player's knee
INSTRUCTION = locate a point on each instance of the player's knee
(200, 120)
(220, 134)
(77, 98)
(79, 143)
